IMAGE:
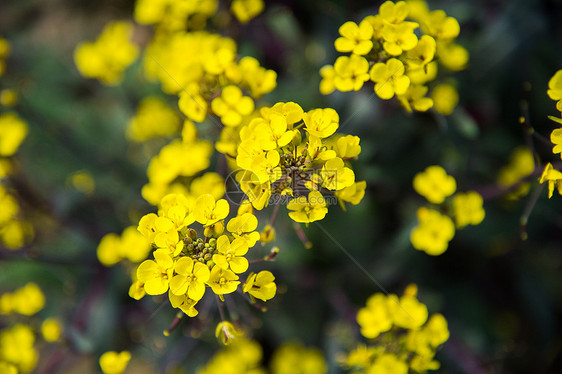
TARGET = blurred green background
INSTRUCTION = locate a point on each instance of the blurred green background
(501, 295)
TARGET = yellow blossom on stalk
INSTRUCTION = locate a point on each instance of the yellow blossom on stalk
(347, 146)
(156, 275)
(114, 362)
(209, 183)
(335, 176)
(265, 166)
(232, 106)
(184, 303)
(393, 13)
(261, 285)
(131, 245)
(15, 233)
(451, 55)
(153, 118)
(389, 78)
(407, 312)
(434, 184)
(375, 317)
(555, 86)
(273, 132)
(193, 105)
(16, 348)
(231, 255)
(291, 111)
(107, 57)
(245, 10)
(328, 82)
(433, 233)
(445, 98)
(422, 54)
(521, 165)
(351, 73)
(258, 79)
(352, 194)
(258, 193)
(355, 38)
(190, 278)
(267, 235)
(223, 281)
(13, 131)
(554, 178)
(467, 209)
(207, 211)
(440, 26)
(226, 333)
(51, 329)
(147, 227)
(399, 38)
(308, 210)
(243, 227)
(556, 139)
(290, 356)
(388, 363)
(321, 122)
(415, 98)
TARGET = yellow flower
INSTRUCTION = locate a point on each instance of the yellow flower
(352, 194)
(13, 131)
(415, 98)
(351, 72)
(114, 363)
(245, 10)
(208, 211)
(290, 356)
(16, 347)
(451, 55)
(27, 300)
(155, 275)
(258, 193)
(375, 317)
(556, 139)
(267, 235)
(107, 57)
(399, 38)
(232, 106)
(436, 330)
(389, 78)
(231, 255)
(347, 146)
(554, 178)
(467, 208)
(433, 233)
(223, 281)
(227, 333)
(321, 122)
(438, 25)
(407, 312)
(265, 166)
(388, 363)
(243, 227)
(422, 54)
(193, 105)
(153, 118)
(445, 98)
(335, 175)
(190, 278)
(184, 303)
(355, 39)
(51, 329)
(521, 164)
(308, 210)
(327, 84)
(555, 86)
(434, 184)
(261, 285)
(393, 13)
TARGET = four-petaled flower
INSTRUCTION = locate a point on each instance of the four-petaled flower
(190, 278)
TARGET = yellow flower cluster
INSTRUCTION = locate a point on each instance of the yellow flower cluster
(17, 351)
(436, 229)
(287, 152)
(521, 165)
(186, 262)
(550, 174)
(401, 333)
(14, 231)
(27, 300)
(154, 118)
(400, 50)
(245, 10)
(130, 245)
(173, 15)
(107, 57)
(244, 356)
